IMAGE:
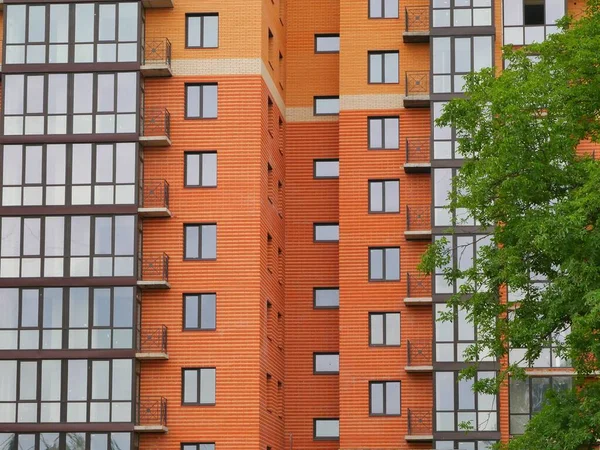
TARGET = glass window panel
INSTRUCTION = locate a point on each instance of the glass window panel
(327, 298)
(106, 22)
(326, 169)
(193, 31)
(28, 380)
(191, 241)
(444, 331)
(52, 308)
(392, 196)
(191, 311)
(121, 379)
(209, 169)
(15, 24)
(391, 133)
(8, 381)
(327, 106)
(193, 101)
(539, 387)
(327, 233)
(482, 48)
(377, 329)
(391, 8)
(11, 236)
(100, 380)
(84, 22)
(126, 162)
(78, 307)
(207, 386)
(9, 305)
(391, 67)
(37, 24)
(462, 54)
(124, 235)
(392, 398)
(104, 163)
(106, 92)
(466, 396)
(103, 235)
(444, 391)
(211, 31)
(55, 164)
(377, 398)
(376, 264)
(376, 68)
(126, 92)
(51, 380)
(13, 94)
(35, 94)
(101, 307)
(376, 196)
(33, 164)
(482, 17)
(441, 55)
(83, 92)
(209, 241)
(128, 21)
(77, 380)
(12, 165)
(327, 428)
(209, 310)
(123, 307)
(192, 169)
(375, 133)
(190, 386)
(392, 329)
(392, 264)
(209, 101)
(57, 94)
(328, 44)
(59, 23)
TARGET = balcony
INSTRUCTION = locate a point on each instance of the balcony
(419, 356)
(417, 90)
(153, 271)
(151, 415)
(418, 289)
(156, 54)
(419, 426)
(154, 199)
(155, 127)
(416, 20)
(150, 4)
(417, 155)
(152, 343)
(418, 223)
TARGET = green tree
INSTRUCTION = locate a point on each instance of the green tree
(524, 183)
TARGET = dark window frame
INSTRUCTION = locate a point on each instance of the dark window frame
(198, 371)
(383, 53)
(383, 184)
(201, 157)
(316, 161)
(325, 224)
(381, 119)
(383, 15)
(324, 372)
(325, 35)
(384, 383)
(315, 289)
(384, 314)
(199, 226)
(197, 444)
(384, 279)
(330, 419)
(316, 98)
(199, 295)
(202, 17)
(200, 101)
(62, 438)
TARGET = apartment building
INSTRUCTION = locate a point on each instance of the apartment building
(211, 214)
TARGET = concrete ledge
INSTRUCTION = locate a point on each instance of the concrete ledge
(150, 429)
(156, 70)
(418, 437)
(418, 301)
(415, 37)
(159, 284)
(417, 101)
(157, 3)
(155, 141)
(420, 235)
(154, 212)
(152, 356)
(418, 368)
(417, 168)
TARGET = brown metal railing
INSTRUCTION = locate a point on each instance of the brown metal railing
(419, 422)
(418, 285)
(417, 83)
(154, 267)
(151, 411)
(416, 18)
(418, 218)
(417, 150)
(155, 122)
(152, 340)
(419, 353)
(156, 52)
(154, 193)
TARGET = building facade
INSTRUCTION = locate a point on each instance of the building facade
(211, 217)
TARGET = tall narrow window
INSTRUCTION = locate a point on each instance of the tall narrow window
(202, 30)
(383, 67)
(201, 101)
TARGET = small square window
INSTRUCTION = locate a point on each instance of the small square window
(199, 386)
(384, 196)
(383, 67)
(327, 43)
(200, 311)
(326, 363)
(200, 169)
(384, 264)
(326, 168)
(326, 298)
(384, 329)
(201, 101)
(384, 398)
(384, 133)
(200, 241)
(202, 30)
(326, 429)
(326, 106)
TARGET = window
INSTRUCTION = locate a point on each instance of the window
(383, 67)
(445, 145)
(384, 329)
(326, 363)
(526, 398)
(462, 13)
(198, 446)
(383, 133)
(200, 311)
(326, 168)
(38, 104)
(533, 12)
(104, 33)
(326, 429)
(384, 196)
(202, 30)
(384, 398)
(327, 43)
(109, 398)
(469, 54)
(327, 106)
(549, 355)
(326, 298)
(200, 241)
(201, 101)
(383, 9)
(69, 441)
(442, 188)
(529, 21)
(200, 169)
(326, 232)
(456, 403)
(384, 264)
(464, 445)
(99, 174)
(199, 386)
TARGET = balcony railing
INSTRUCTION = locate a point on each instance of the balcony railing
(418, 285)
(419, 353)
(417, 83)
(153, 270)
(418, 218)
(417, 150)
(151, 414)
(154, 198)
(419, 422)
(416, 18)
(157, 52)
(152, 341)
(155, 127)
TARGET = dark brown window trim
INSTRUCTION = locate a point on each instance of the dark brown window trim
(68, 282)
(70, 138)
(66, 427)
(187, 29)
(384, 414)
(67, 210)
(68, 354)
(70, 67)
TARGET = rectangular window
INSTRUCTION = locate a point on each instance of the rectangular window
(202, 30)
(200, 311)
(384, 196)
(384, 133)
(326, 429)
(384, 264)
(204, 446)
(383, 67)
(326, 106)
(463, 13)
(326, 298)
(326, 168)
(199, 386)
(327, 43)
(200, 169)
(69, 441)
(383, 9)
(326, 363)
(384, 329)
(326, 232)
(201, 101)
(533, 12)
(384, 398)
(200, 241)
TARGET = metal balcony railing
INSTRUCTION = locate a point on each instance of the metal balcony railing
(419, 353)
(154, 193)
(416, 18)
(418, 285)
(156, 52)
(417, 150)
(417, 83)
(151, 411)
(155, 122)
(154, 267)
(419, 422)
(152, 340)
(418, 218)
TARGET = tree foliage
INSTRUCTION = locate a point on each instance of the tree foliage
(524, 182)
